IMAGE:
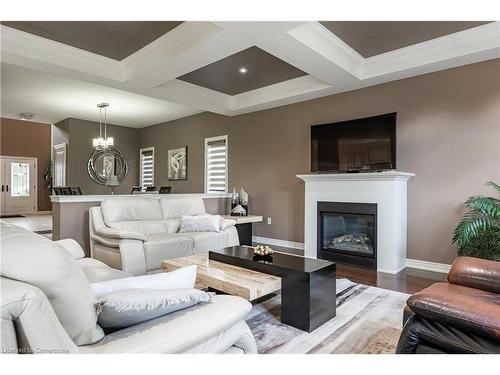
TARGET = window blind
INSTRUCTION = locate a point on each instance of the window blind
(216, 164)
(147, 167)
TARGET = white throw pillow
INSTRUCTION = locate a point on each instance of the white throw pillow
(183, 278)
(200, 223)
(129, 307)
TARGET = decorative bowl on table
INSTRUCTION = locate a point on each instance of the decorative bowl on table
(263, 253)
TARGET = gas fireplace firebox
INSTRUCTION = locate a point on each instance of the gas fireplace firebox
(347, 233)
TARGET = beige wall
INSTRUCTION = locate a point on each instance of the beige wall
(79, 137)
(448, 133)
(28, 139)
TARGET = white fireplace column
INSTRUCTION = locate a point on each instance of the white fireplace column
(386, 189)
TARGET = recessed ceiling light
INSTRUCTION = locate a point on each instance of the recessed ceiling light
(26, 116)
(242, 70)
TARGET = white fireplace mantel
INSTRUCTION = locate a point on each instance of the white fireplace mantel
(386, 189)
(372, 176)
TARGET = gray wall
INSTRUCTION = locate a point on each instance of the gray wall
(448, 133)
(79, 135)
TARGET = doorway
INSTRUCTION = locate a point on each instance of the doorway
(18, 185)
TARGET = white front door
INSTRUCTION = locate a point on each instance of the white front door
(19, 185)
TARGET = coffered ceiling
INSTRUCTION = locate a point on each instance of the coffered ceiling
(113, 39)
(197, 66)
(244, 71)
(373, 38)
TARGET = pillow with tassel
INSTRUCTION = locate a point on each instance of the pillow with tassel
(126, 308)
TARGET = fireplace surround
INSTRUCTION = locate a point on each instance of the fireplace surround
(347, 232)
(388, 190)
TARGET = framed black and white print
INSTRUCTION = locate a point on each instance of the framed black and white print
(177, 163)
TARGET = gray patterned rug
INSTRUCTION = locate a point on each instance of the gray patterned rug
(368, 321)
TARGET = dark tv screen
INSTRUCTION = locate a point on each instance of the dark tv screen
(366, 144)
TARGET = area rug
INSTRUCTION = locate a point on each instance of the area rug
(45, 233)
(368, 320)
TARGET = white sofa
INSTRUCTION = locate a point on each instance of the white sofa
(136, 234)
(32, 317)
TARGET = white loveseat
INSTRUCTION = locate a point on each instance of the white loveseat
(37, 273)
(136, 234)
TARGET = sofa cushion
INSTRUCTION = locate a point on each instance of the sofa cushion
(96, 271)
(130, 209)
(177, 207)
(29, 323)
(161, 246)
(206, 241)
(173, 225)
(178, 331)
(35, 260)
(142, 226)
(472, 310)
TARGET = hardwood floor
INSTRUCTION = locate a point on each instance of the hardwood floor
(407, 281)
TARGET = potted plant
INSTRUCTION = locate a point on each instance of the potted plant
(47, 177)
(478, 233)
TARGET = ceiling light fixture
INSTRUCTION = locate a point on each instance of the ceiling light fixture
(102, 142)
(242, 70)
(26, 116)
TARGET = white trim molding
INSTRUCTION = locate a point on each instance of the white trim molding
(483, 40)
(390, 175)
(428, 266)
(154, 195)
(276, 242)
(410, 263)
(322, 41)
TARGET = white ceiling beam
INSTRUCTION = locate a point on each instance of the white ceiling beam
(471, 45)
(34, 52)
(189, 46)
(282, 93)
(188, 94)
(331, 65)
(321, 40)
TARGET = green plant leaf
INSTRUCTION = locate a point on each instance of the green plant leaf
(487, 205)
(478, 232)
(494, 186)
(471, 225)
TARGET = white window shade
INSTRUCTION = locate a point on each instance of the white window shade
(147, 160)
(216, 164)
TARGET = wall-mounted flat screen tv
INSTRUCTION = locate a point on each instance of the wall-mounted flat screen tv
(362, 145)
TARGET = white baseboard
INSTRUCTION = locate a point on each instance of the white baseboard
(428, 266)
(39, 213)
(390, 272)
(410, 263)
(276, 242)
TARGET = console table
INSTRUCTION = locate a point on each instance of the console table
(244, 227)
(308, 285)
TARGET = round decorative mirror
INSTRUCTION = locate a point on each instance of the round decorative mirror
(107, 166)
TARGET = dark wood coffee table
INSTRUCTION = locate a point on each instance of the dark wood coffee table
(308, 286)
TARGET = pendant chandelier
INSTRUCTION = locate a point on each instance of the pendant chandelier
(102, 142)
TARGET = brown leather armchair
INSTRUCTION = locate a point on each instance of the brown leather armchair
(460, 316)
